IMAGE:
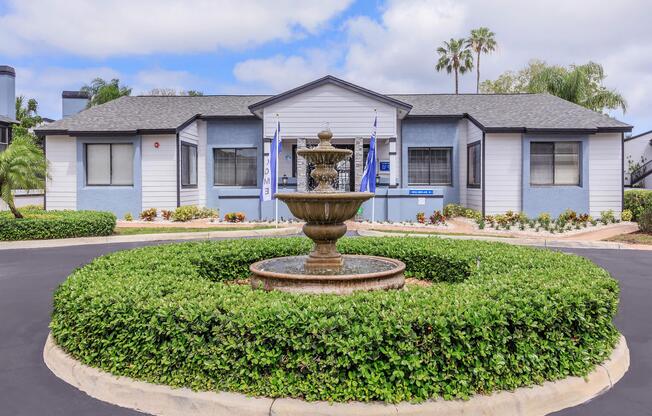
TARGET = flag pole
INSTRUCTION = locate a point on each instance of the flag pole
(278, 139)
(373, 199)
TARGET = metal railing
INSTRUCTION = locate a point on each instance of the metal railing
(640, 173)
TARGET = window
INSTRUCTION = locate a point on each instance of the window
(188, 165)
(235, 167)
(473, 165)
(294, 160)
(110, 164)
(430, 166)
(4, 138)
(555, 163)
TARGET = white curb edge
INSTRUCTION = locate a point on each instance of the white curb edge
(536, 242)
(200, 235)
(168, 401)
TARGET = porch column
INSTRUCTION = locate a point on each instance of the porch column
(302, 179)
(393, 166)
(358, 155)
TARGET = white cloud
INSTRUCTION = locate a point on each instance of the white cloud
(122, 27)
(396, 52)
(46, 84)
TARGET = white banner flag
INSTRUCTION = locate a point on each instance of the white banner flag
(266, 192)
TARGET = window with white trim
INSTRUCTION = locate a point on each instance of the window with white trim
(473, 165)
(430, 166)
(188, 165)
(235, 166)
(555, 163)
(110, 164)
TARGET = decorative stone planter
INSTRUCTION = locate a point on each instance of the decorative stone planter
(167, 401)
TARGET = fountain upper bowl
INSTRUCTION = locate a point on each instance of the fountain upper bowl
(325, 208)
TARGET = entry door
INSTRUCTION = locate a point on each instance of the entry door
(345, 173)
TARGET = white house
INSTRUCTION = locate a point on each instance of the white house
(521, 152)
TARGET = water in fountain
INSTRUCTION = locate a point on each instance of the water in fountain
(325, 210)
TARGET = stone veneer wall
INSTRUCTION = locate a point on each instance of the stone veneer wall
(358, 150)
(302, 180)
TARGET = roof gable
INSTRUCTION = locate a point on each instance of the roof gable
(329, 79)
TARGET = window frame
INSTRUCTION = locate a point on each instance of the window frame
(430, 148)
(235, 149)
(478, 171)
(554, 161)
(4, 138)
(181, 166)
(110, 163)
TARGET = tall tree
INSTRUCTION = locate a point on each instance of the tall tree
(481, 41)
(454, 56)
(27, 112)
(102, 91)
(579, 84)
(22, 166)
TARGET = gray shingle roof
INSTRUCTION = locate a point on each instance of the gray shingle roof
(511, 111)
(494, 112)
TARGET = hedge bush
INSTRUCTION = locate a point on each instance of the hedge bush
(41, 225)
(637, 200)
(496, 318)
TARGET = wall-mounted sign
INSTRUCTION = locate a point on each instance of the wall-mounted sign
(421, 192)
(421, 201)
(384, 166)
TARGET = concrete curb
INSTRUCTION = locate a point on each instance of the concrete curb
(609, 245)
(163, 400)
(64, 242)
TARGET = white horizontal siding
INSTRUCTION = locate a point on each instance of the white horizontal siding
(190, 134)
(605, 173)
(159, 172)
(61, 187)
(503, 173)
(347, 113)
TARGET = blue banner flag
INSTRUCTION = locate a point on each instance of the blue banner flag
(369, 174)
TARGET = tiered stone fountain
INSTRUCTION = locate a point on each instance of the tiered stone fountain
(324, 210)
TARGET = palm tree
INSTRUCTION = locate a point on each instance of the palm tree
(27, 113)
(481, 41)
(102, 91)
(22, 166)
(454, 56)
(579, 84)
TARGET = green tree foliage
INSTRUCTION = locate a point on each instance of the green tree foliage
(22, 166)
(455, 57)
(102, 91)
(172, 92)
(27, 112)
(579, 84)
(482, 40)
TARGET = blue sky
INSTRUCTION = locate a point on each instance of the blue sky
(259, 46)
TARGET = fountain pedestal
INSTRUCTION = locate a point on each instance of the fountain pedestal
(325, 210)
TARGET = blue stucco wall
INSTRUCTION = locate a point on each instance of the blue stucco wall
(555, 199)
(228, 133)
(431, 132)
(117, 199)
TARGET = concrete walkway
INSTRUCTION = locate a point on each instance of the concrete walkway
(200, 235)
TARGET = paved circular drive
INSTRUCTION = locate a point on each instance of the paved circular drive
(28, 278)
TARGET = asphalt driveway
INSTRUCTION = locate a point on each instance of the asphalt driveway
(28, 278)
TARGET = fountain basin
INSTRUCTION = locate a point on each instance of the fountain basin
(324, 208)
(292, 274)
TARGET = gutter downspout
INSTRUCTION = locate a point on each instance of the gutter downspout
(622, 171)
(483, 170)
(178, 172)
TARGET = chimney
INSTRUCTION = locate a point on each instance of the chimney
(7, 92)
(72, 102)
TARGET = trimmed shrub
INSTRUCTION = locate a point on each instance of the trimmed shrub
(626, 215)
(645, 220)
(41, 225)
(192, 212)
(148, 214)
(637, 200)
(234, 217)
(437, 218)
(497, 317)
(128, 217)
(456, 210)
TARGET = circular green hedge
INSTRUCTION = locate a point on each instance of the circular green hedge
(497, 317)
(40, 224)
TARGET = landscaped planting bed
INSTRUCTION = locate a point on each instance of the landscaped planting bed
(495, 318)
(40, 224)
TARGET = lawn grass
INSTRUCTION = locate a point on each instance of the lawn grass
(438, 233)
(638, 237)
(168, 230)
